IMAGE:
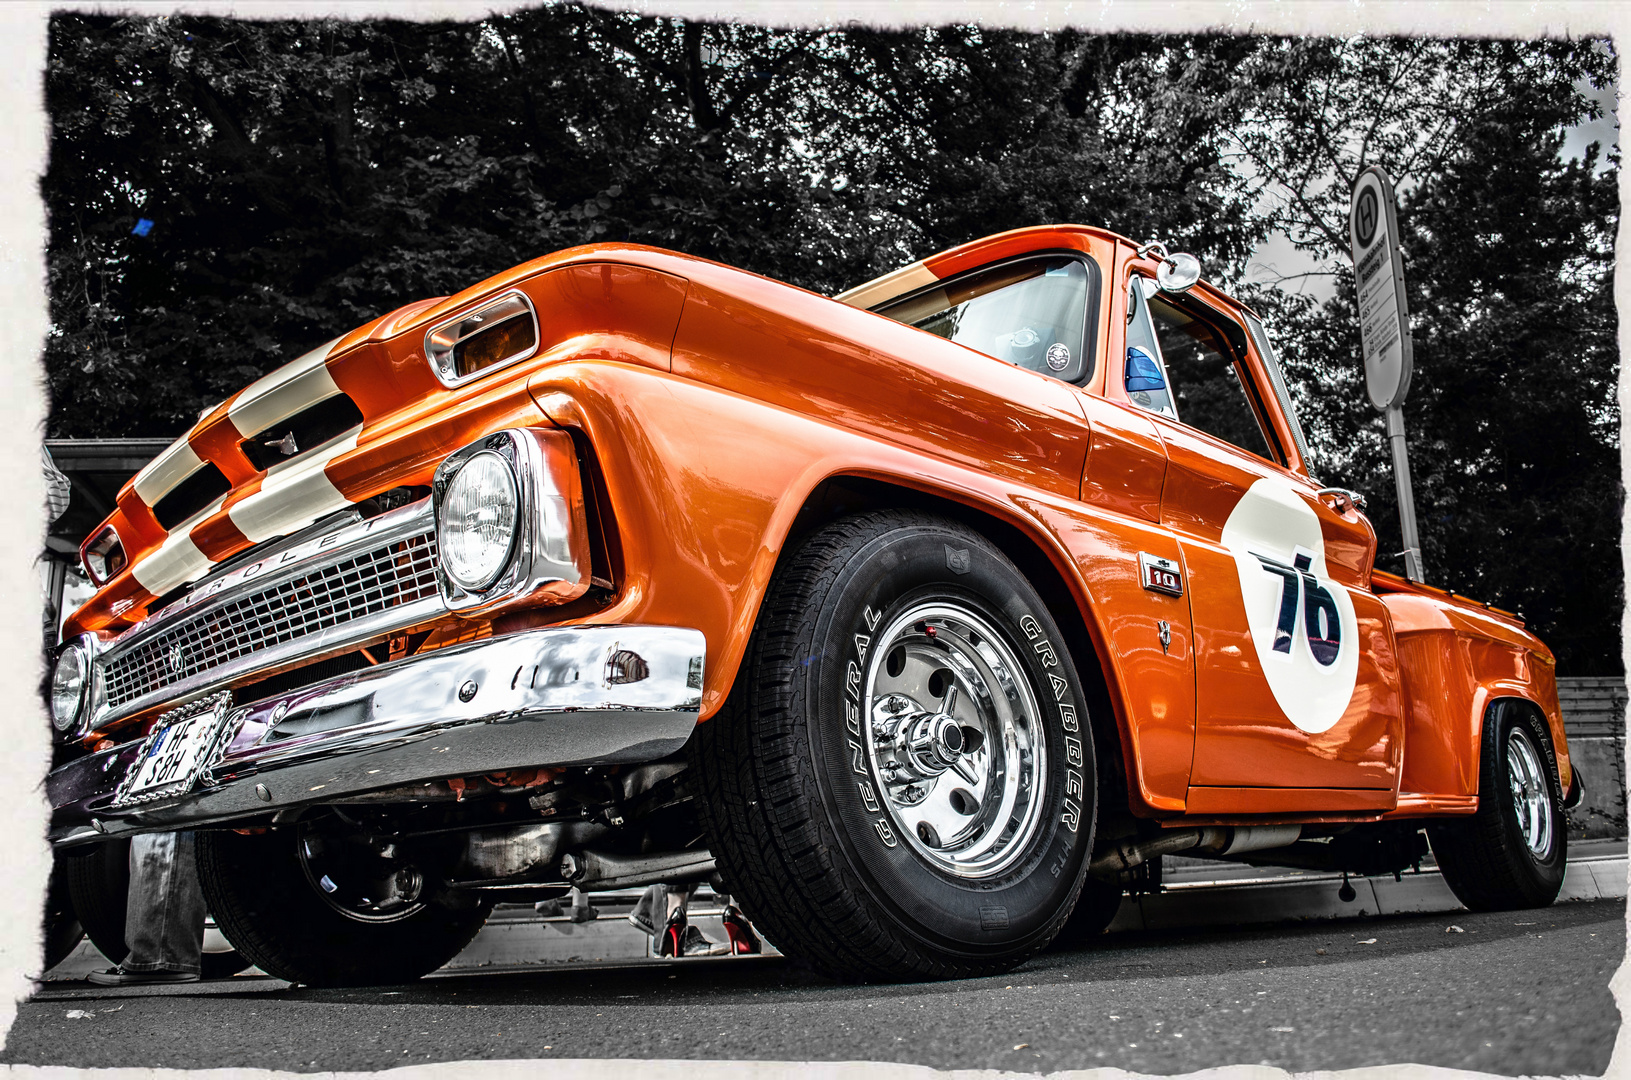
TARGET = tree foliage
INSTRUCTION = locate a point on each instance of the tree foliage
(301, 178)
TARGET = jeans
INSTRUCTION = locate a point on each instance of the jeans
(164, 915)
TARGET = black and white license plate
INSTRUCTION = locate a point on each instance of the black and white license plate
(177, 752)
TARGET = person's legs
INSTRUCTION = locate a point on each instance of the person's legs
(164, 916)
(648, 913)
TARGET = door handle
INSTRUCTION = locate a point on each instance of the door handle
(1341, 498)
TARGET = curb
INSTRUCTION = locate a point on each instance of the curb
(1266, 900)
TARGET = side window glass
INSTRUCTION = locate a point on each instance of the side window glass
(1032, 313)
(1208, 385)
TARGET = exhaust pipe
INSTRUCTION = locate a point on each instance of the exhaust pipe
(1213, 840)
(594, 870)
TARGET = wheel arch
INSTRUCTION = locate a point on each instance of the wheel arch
(1503, 695)
(1043, 563)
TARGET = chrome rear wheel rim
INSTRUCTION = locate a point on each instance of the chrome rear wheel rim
(954, 739)
(1531, 796)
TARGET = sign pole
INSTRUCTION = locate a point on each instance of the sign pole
(1384, 328)
(1407, 498)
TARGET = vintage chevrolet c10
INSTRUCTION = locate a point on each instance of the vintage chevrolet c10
(924, 619)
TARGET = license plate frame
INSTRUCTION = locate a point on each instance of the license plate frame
(182, 745)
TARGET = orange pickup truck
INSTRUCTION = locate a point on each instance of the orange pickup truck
(925, 619)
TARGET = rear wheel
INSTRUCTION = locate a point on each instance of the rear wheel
(322, 907)
(902, 784)
(1512, 853)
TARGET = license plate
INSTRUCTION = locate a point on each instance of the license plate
(177, 752)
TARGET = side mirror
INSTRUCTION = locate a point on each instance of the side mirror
(1177, 272)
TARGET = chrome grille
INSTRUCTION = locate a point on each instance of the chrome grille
(361, 584)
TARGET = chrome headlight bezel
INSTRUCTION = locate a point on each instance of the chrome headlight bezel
(549, 557)
(82, 652)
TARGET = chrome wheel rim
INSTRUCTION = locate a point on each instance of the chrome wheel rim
(1531, 796)
(954, 740)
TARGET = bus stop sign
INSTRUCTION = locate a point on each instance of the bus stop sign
(1384, 321)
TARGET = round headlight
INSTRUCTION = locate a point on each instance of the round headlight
(479, 516)
(68, 687)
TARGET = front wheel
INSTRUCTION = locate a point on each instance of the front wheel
(317, 906)
(1512, 853)
(902, 783)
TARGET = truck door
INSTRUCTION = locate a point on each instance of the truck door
(1296, 686)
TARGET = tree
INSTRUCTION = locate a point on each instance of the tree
(1512, 416)
(301, 178)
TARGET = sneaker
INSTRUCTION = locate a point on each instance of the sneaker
(693, 943)
(118, 976)
(744, 942)
(645, 910)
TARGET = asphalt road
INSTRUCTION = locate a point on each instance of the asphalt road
(1513, 993)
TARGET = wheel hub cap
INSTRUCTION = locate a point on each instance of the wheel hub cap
(1531, 796)
(954, 739)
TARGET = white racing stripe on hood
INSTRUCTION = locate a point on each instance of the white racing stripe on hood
(159, 477)
(295, 493)
(297, 385)
(178, 559)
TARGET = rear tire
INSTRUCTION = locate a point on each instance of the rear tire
(261, 894)
(836, 781)
(1512, 853)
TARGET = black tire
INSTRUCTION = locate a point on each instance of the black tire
(1487, 858)
(61, 925)
(99, 884)
(261, 897)
(1095, 910)
(826, 876)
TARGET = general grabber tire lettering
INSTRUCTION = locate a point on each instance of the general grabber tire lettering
(1513, 851)
(902, 785)
(260, 896)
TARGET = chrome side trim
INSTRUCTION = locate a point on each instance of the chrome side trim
(556, 696)
(278, 566)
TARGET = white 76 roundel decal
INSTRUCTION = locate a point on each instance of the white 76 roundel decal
(1302, 623)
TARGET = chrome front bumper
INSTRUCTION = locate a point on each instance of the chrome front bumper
(566, 696)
